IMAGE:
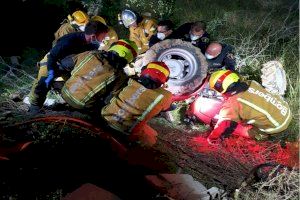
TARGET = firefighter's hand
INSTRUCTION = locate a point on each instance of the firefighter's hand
(129, 71)
(214, 137)
(50, 78)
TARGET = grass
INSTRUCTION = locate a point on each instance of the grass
(260, 31)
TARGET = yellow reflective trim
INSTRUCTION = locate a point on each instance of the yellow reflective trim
(251, 121)
(272, 120)
(98, 88)
(270, 130)
(82, 63)
(72, 97)
(148, 110)
(155, 66)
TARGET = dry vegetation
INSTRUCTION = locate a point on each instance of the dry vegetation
(260, 31)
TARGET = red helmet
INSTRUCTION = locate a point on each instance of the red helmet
(156, 71)
(213, 50)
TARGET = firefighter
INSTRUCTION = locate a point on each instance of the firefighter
(140, 28)
(111, 37)
(73, 43)
(74, 23)
(249, 110)
(220, 56)
(142, 99)
(195, 33)
(97, 74)
(164, 31)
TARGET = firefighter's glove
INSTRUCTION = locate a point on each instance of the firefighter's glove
(223, 130)
(49, 79)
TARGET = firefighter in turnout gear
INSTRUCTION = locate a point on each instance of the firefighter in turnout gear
(249, 110)
(74, 23)
(111, 37)
(137, 103)
(140, 28)
(96, 74)
(70, 44)
(220, 56)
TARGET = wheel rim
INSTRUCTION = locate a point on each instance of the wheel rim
(181, 62)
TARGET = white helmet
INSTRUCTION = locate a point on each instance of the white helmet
(128, 17)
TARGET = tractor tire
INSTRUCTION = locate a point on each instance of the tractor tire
(187, 64)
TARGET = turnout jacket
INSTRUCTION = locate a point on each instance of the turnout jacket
(256, 106)
(142, 33)
(133, 105)
(92, 75)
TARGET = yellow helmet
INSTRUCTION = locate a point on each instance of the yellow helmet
(80, 17)
(221, 80)
(99, 19)
(125, 48)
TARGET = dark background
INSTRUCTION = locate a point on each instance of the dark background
(30, 23)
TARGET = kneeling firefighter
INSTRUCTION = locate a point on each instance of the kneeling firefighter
(98, 73)
(142, 99)
(249, 109)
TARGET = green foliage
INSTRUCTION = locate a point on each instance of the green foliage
(93, 6)
(159, 9)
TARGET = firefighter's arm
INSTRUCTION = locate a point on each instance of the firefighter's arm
(221, 131)
(228, 118)
(229, 62)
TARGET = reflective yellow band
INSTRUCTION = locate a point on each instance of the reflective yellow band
(270, 118)
(148, 110)
(163, 70)
(270, 130)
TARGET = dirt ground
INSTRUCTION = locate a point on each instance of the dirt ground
(181, 148)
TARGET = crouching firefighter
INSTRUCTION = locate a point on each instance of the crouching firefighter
(97, 74)
(142, 99)
(249, 110)
(68, 45)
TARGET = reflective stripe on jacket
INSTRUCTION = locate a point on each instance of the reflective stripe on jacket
(133, 104)
(256, 106)
(89, 77)
(142, 33)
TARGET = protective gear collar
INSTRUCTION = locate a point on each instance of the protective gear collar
(161, 36)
